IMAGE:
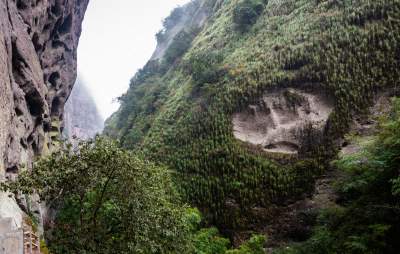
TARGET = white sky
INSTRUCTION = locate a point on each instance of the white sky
(118, 38)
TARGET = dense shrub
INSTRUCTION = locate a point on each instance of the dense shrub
(209, 241)
(246, 13)
(180, 44)
(369, 221)
(253, 246)
(151, 68)
(293, 43)
(204, 67)
(177, 15)
(108, 201)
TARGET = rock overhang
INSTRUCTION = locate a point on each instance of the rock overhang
(275, 121)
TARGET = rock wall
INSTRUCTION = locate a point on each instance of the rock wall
(38, 52)
(82, 120)
(275, 122)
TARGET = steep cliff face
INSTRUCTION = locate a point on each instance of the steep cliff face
(251, 106)
(38, 52)
(190, 16)
(81, 118)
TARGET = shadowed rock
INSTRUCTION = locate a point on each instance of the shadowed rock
(38, 42)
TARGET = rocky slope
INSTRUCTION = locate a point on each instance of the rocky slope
(249, 106)
(81, 117)
(38, 52)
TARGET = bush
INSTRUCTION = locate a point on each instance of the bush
(180, 44)
(204, 67)
(253, 246)
(208, 241)
(369, 221)
(151, 68)
(108, 201)
(246, 13)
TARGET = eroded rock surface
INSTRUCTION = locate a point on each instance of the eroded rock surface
(38, 51)
(274, 122)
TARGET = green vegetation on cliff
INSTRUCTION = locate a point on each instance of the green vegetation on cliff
(107, 200)
(178, 140)
(103, 199)
(369, 219)
(180, 114)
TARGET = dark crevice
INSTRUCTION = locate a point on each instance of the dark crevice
(18, 112)
(46, 126)
(35, 104)
(66, 25)
(55, 107)
(36, 43)
(30, 139)
(56, 9)
(10, 141)
(18, 62)
(54, 32)
(9, 14)
(54, 77)
(21, 5)
(284, 145)
(46, 27)
(32, 96)
(58, 44)
(38, 121)
(23, 143)
(12, 170)
(35, 148)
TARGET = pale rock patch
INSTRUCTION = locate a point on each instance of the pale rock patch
(275, 120)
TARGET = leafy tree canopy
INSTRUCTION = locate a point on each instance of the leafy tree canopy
(107, 201)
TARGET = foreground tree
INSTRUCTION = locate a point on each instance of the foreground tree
(107, 200)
